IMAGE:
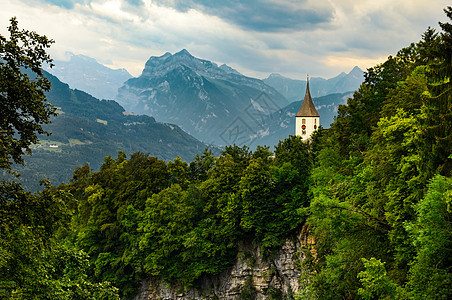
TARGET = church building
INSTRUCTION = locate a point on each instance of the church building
(307, 119)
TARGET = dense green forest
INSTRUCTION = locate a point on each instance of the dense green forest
(381, 212)
(140, 216)
(374, 191)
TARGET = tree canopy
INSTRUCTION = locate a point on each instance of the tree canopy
(23, 105)
(35, 262)
(380, 214)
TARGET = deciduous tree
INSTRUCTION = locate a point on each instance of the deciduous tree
(23, 105)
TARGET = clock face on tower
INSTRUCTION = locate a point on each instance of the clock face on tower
(303, 127)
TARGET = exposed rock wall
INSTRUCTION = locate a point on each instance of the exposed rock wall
(251, 277)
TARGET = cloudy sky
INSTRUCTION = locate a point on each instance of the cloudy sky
(290, 37)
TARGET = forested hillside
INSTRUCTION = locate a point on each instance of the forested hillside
(373, 192)
(381, 214)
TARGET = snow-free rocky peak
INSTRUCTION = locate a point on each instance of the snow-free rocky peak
(197, 94)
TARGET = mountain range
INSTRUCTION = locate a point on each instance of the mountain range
(87, 129)
(175, 94)
(198, 95)
(216, 104)
(278, 125)
(86, 74)
(293, 89)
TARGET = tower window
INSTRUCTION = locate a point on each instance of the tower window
(303, 121)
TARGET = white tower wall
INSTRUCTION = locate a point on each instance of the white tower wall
(311, 123)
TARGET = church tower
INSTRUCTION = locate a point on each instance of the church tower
(307, 119)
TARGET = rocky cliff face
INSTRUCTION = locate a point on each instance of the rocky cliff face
(251, 277)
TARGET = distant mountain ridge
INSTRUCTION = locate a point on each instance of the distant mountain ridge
(88, 129)
(85, 73)
(281, 123)
(216, 104)
(294, 89)
(196, 94)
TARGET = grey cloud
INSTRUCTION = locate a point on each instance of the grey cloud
(259, 15)
(135, 7)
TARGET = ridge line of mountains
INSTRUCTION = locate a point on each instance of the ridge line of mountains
(179, 105)
(215, 104)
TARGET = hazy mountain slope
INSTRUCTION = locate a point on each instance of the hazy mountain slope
(88, 129)
(196, 94)
(281, 124)
(86, 74)
(292, 89)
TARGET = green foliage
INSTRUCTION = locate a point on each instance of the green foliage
(273, 195)
(201, 164)
(139, 216)
(345, 234)
(110, 203)
(263, 152)
(22, 99)
(34, 262)
(295, 151)
(436, 115)
(273, 294)
(376, 284)
(430, 274)
(381, 229)
(166, 219)
(408, 95)
(248, 291)
(179, 172)
(255, 192)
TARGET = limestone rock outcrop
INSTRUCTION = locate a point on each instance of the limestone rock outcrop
(251, 277)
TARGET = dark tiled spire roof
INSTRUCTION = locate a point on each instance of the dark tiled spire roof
(307, 108)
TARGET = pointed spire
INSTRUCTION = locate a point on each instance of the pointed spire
(307, 108)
